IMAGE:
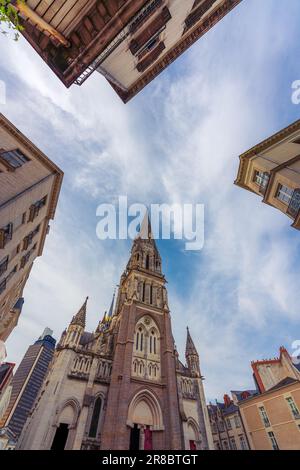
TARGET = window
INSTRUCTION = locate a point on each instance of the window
(144, 15)
(237, 421)
(293, 407)
(228, 423)
(28, 239)
(25, 258)
(95, 418)
(284, 194)
(137, 341)
(243, 443)
(3, 265)
(261, 178)
(35, 208)
(12, 272)
(273, 440)
(225, 445)
(264, 416)
(221, 426)
(2, 286)
(233, 444)
(152, 341)
(6, 234)
(14, 158)
(294, 205)
(142, 342)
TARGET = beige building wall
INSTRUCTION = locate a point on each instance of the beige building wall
(271, 169)
(29, 189)
(228, 431)
(279, 425)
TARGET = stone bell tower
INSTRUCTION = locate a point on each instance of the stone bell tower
(142, 407)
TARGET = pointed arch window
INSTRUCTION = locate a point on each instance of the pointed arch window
(137, 341)
(151, 294)
(147, 262)
(95, 418)
(144, 290)
(142, 342)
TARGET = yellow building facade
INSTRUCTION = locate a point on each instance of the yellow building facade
(271, 170)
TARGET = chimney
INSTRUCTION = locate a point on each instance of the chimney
(227, 400)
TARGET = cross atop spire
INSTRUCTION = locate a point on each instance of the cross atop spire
(190, 349)
(80, 317)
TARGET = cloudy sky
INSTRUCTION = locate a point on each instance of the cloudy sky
(178, 141)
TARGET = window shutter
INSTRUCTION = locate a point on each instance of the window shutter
(31, 213)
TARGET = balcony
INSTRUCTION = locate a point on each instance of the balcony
(294, 205)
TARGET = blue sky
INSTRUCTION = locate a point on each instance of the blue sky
(178, 141)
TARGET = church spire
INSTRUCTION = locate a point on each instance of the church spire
(145, 232)
(190, 348)
(191, 355)
(80, 317)
(111, 309)
(144, 252)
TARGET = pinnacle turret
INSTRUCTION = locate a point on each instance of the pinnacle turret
(190, 348)
(80, 317)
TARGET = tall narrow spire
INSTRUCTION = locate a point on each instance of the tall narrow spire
(145, 232)
(80, 317)
(190, 349)
(111, 309)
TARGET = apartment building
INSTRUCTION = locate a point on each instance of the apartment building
(272, 416)
(129, 42)
(226, 425)
(29, 188)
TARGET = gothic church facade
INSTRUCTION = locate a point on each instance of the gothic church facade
(123, 386)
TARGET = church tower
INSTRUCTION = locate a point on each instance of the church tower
(142, 405)
(123, 386)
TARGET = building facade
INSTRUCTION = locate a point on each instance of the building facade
(271, 170)
(27, 382)
(272, 417)
(29, 190)
(227, 426)
(128, 42)
(123, 386)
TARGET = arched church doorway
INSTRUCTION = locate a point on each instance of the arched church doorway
(144, 418)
